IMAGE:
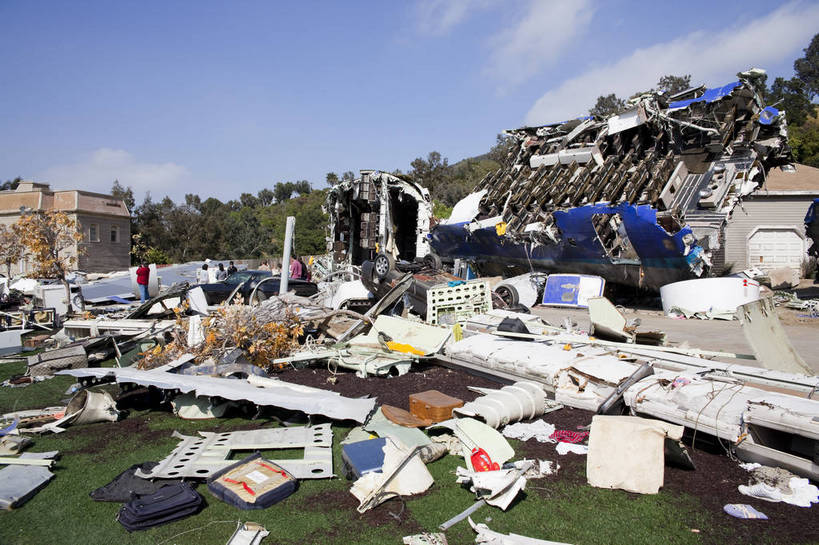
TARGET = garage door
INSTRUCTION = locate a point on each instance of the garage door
(772, 248)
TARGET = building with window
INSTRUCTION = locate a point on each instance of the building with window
(103, 219)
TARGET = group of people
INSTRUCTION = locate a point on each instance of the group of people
(203, 276)
(298, 270)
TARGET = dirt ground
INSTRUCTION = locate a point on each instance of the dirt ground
(714, 482)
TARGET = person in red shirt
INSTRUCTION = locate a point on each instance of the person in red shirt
(142, 274)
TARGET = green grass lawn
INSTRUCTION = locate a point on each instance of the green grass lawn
(560, 508)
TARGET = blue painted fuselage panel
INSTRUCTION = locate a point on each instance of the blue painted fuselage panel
(661, 259)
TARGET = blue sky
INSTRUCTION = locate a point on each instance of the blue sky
(220, 98)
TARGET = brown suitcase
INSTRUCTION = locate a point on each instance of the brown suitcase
(433, 406)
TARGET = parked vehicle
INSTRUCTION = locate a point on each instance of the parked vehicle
(218, 292)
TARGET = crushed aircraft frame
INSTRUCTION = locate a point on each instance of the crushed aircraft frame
(377, 213)
(641, 198)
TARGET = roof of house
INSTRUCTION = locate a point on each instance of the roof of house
(804, 179)
(39, 196)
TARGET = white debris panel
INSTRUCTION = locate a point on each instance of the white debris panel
(274, 394)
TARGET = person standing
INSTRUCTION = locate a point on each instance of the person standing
(142, 275)
(202, 275)
(295, 268)
(231, 269)
(221, 274)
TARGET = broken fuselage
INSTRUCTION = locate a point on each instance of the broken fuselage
(377, 213)
(640, 198)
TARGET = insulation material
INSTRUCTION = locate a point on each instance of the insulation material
(627, 452)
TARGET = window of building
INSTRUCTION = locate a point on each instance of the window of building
(93, 233)
(115, 233)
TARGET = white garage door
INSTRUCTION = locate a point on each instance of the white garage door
(772, 248)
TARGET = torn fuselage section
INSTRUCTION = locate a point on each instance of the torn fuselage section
(375, 213)
(640, 198)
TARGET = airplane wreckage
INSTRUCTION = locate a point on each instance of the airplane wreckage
(641, 198)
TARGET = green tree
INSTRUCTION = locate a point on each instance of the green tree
(607, 106)
(12, 248)
(807, 67)
(804, 141)
(432, 172)
(500, 151)
(283, 191)
(265, 197)
(332, 178)
(10, 184)
(792, 96)
(671, 85)
(124, 193)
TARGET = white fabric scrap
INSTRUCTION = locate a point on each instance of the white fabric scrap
(539, 429)
(538, 470)
(565, 448)
(803, 494)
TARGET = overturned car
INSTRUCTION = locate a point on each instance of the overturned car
(640, 198)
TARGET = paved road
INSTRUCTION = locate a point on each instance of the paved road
(717, 335)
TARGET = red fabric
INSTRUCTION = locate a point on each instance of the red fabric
(569, 436)
(142, 274)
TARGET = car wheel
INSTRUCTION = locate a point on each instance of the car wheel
(507, 294)
(432, 261)
(384, 263)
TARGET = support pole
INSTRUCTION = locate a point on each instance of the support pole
(288, 243)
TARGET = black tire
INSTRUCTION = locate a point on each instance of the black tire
(382, 266)
(508, 295)
(432, 261)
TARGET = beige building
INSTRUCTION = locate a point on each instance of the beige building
(768, 230)
(104, 220)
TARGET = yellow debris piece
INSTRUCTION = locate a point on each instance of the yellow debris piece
(405, 348)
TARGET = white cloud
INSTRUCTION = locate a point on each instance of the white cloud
(712, 58)
(537, 40)
(440, 16)
(97, 171)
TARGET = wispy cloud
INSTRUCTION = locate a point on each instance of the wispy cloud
(537, 40)
(97, 171)
(440, 16)
(709, 57)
